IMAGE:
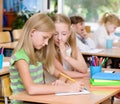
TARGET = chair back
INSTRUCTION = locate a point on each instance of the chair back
(5, 37)
(16, 34)
(6, 90)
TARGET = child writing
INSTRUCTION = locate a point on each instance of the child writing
(83, 41)
(34, 49)
(108, 23)
(70, 60)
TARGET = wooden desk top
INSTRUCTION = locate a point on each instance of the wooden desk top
(5, 70)
(96, 96)
(114, 52)
(10, 45)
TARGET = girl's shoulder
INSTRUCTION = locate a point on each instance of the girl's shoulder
(18, 56)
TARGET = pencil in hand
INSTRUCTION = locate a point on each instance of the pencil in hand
(73, 80)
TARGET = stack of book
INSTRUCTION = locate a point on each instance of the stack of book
(105, 79)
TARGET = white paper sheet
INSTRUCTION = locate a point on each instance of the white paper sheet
(5, 64)
(93, 50)
(72, 93)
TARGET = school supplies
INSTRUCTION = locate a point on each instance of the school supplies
(1, 57)
(93, 50)
(106, 76)
(95, 61)
(94, 87)
(105, 82)
(73, 80)
(73, 93)
(2, 50)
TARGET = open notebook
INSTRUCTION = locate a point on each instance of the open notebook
(73, 93)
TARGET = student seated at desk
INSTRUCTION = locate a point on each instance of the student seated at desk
(69, 59)
(35, 49)
(83, 41)
(108, 24)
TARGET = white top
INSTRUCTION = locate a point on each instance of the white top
(100, 36)
(66, 65)
(88, 45)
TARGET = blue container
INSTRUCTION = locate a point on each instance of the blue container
(109, 43)
(94, 70)
(1, 61)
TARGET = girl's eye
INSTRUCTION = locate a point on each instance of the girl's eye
(64, 34)
(55, 34)
(45, 37)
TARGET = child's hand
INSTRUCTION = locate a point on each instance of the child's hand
(76, 87)
(58, 82)
(84, 34)
(62, 49)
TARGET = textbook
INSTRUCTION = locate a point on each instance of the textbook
(105, 82)
(106, 76)
(93, 87)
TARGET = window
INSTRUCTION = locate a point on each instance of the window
(91, 10)
(18, 5)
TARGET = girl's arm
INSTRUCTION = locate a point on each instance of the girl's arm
(72, 74)
(78, 64)
(32, 88)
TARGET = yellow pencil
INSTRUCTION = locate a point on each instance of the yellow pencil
(73, 80)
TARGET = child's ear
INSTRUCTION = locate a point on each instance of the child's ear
(32, 32)
(72, 26)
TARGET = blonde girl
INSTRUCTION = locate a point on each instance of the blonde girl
(69, 59)
(108, 24)
(34, 49)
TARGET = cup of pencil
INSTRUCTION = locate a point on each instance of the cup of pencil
(94, 70)
(1, 61)
(1, 57)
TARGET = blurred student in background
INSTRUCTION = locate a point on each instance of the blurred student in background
(84, 42)
(106, 30)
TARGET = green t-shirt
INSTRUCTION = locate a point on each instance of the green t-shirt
(36, 72)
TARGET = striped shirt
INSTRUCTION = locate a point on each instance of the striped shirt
(36, 72)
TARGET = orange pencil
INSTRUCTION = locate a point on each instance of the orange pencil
(73, 80)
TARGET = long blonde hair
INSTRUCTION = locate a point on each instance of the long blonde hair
(60, 18)
(109, 17)
(43, 23)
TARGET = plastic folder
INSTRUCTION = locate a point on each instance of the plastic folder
(105, 83)
(106, 76)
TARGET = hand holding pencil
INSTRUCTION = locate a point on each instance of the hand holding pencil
(77, 85)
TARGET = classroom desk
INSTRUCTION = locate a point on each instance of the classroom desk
(96, 96)
(10, 45)
(113, 53)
